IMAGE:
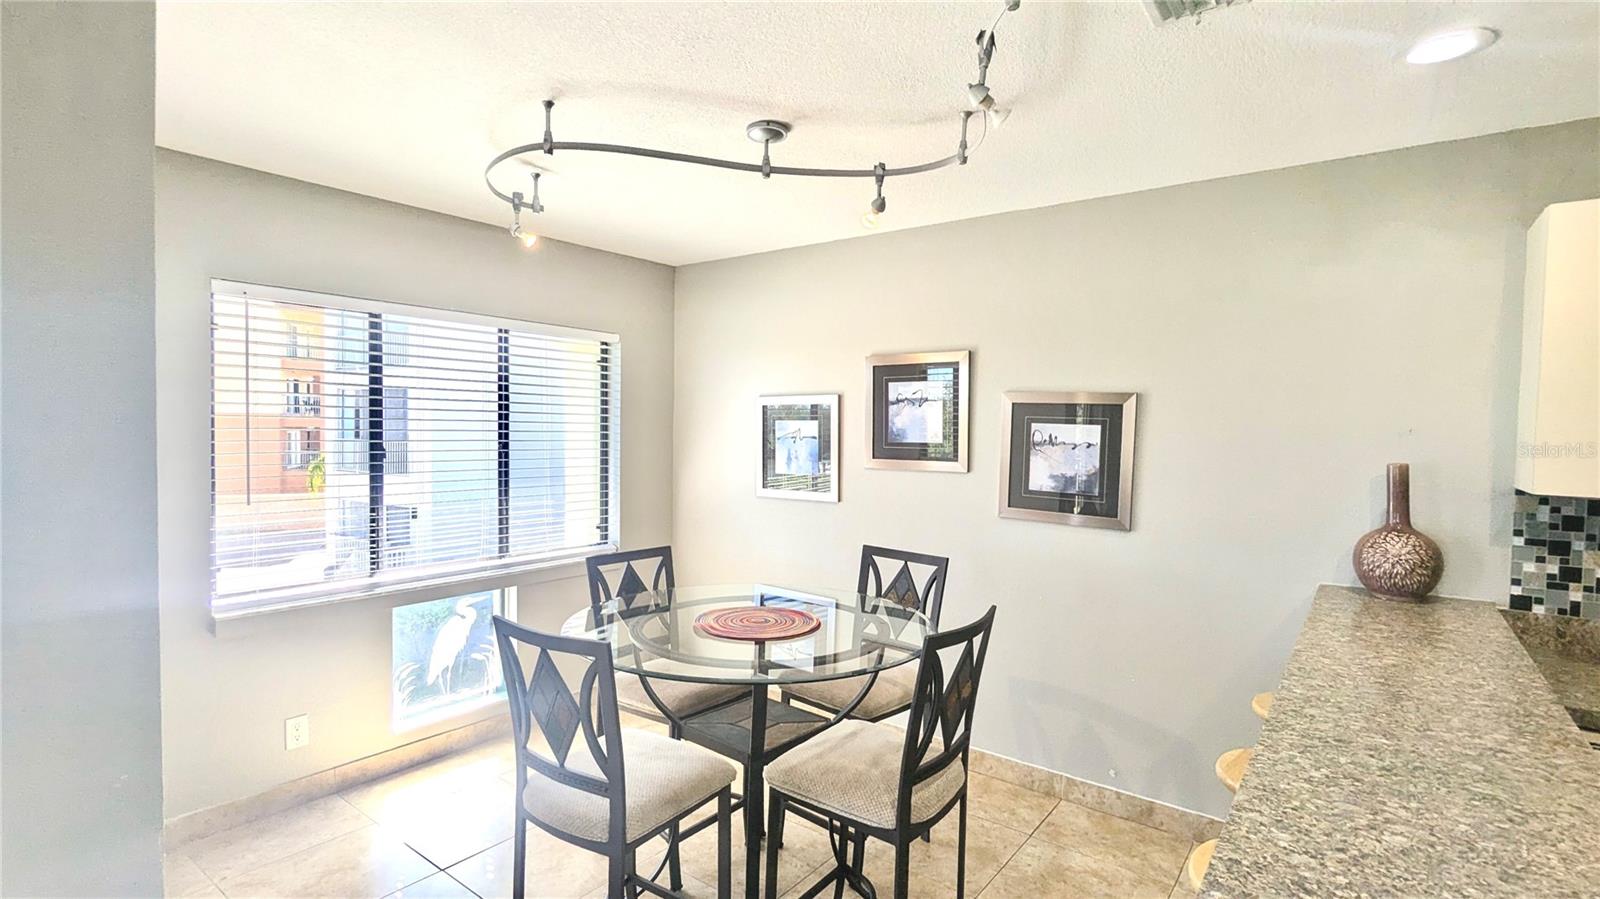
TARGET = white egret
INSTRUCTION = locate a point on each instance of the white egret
(450, 641)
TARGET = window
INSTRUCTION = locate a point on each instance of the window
(300, 447)
(444, 660)
(300, 397)
(293, 347)
(458, 446)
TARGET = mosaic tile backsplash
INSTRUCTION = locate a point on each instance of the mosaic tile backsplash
(1555, 555)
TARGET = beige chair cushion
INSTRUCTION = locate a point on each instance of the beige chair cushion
(890, 693)
(853, 768)
(682, 697)
(664, 779)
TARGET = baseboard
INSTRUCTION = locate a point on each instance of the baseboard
(196, 824)
(183, 828)
(1193, 825)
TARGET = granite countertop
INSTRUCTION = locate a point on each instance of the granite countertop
(1412, 750)
(1567, 653)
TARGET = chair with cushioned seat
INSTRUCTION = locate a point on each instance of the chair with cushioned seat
(891, 694)
(613, 790)
(868, 779)
(613, 577)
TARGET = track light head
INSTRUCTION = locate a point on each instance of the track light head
(978, 95)
(527, 238)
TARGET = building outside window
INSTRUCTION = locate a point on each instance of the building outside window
(301, 447)
(301, 397)
(294, 343)
(457, 445)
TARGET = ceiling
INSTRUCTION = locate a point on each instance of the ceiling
(409, 101)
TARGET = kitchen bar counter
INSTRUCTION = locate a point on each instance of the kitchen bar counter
(1412, 750)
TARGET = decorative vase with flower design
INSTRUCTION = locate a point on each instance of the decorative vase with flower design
(1397, 561)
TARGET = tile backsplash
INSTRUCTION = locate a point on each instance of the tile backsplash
(1555, 555)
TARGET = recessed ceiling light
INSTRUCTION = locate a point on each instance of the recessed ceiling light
(1448, 45)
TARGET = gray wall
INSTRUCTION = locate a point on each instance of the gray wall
(79, 670)
(1289, 333)
(228, 689)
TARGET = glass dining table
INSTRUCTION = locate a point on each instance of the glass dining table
(674, 635)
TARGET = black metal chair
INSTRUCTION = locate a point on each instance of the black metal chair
(622, 788)
(613, 577)
(840, 775)
(923, 590)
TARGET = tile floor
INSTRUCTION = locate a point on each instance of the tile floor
(442, 830)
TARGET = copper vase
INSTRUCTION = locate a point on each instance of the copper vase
(1397, 561)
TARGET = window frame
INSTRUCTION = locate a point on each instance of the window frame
(414, 580)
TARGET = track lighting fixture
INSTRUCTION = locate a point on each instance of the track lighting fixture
(869, 218)
(979, 96)
(766, 132)
(528, 238)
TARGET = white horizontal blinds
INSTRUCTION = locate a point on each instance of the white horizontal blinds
(369, 444)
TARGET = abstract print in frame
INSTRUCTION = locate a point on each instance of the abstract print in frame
(917, 416)
(799, 445)
(1067, 458)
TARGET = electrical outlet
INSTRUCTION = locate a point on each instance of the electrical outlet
(297, 732)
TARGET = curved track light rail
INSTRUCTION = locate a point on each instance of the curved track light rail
(766, 132)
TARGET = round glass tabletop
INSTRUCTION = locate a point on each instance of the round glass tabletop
(656, 634)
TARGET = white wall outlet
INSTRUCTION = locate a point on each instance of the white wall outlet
(297, 732)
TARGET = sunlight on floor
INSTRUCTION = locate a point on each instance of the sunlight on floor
(442, 830)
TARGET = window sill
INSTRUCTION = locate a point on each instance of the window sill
(541, 571)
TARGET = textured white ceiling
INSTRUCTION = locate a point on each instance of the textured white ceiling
(408, 101)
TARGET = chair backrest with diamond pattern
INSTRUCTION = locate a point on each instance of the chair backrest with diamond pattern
(942, 704)
(916, 582)
(617, 575)
(544, 703)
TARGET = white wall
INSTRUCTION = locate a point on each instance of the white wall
(227, 692)
(1289, 333)
(79, 672)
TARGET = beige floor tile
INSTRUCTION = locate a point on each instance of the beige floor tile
(1145, 852)
(494, 755)
(693, 888)
(556, 870)
(1182, 890)
(365, 863)
(1041, 869)
(805, 846)
(1018, 808)
(439, 886)
(933, 865)
(183, 879)
(806, 880)
(447, 810)
(251, 845)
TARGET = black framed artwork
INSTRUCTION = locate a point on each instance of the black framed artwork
(1067, 458)
(799, 445)
(917, 416)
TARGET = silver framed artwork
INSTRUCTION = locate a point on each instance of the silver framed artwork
(917, 412)
(1067, 457)
(799, 440)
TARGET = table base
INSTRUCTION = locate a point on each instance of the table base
(753, 735)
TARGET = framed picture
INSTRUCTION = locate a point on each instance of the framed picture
(1068, 458)
(917, 416)
(799, 447)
